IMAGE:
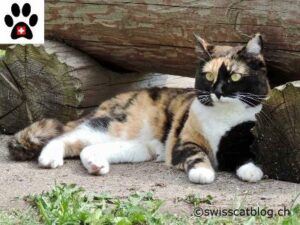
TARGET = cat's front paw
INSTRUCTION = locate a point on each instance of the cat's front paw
(52, 155)
(94, 161)
(97, 167)
(249, 172)
(201, 175)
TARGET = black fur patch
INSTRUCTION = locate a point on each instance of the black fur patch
(234, 147)
(205, 100)
(193, 162)
(130, 101)
(182, 122)
(167, 125)
(121, 117)
(59, 128)
(100, 123)
(117, 113)
(183, 151)
(154, 93)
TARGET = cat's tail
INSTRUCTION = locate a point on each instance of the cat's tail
(28, 143)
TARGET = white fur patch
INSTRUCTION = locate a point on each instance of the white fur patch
(249, 172)
(215, 121)
(52, 155)
(201, 175)
(254, 48)
(254, 45)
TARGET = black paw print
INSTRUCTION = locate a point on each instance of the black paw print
(21, 29)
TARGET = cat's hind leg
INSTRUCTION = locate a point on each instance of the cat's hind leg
(69, 145)
(96, 158)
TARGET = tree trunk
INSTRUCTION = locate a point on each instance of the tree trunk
(157, 35)
(56, 81)
(277, 133)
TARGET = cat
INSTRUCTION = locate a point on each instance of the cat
(198, 130)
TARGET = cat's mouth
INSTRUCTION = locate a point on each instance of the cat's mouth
(209, 99)
(222, 99)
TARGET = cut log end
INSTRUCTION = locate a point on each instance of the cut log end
(278, 134)
(34, 84)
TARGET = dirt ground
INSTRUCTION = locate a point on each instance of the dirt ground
(18, 179)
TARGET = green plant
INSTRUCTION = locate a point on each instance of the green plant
(195, 200)
(71, 205)
(2, 53)
(26, 217)
(68, 204)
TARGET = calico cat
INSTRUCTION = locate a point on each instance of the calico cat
(196, 130)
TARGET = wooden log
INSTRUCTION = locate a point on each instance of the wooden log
(157, 35)
(57, 81)
(278, 133)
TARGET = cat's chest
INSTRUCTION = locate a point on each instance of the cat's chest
(215, 121)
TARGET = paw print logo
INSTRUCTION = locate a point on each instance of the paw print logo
(21, 29)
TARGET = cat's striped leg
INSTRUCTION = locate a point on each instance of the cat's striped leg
(96, 158)
(195, 161)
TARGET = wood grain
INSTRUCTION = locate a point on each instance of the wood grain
(157, 35)
(277, 133)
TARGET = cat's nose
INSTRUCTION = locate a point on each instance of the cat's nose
(217, 89)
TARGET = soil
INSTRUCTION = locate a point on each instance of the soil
(18, 179)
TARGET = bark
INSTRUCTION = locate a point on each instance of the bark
(157, 35)
(56, 81)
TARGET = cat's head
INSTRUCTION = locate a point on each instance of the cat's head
(232, 74)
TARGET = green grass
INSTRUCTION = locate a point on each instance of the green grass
(70, 205)
(29, 217)
(196, 200)
(2, 53)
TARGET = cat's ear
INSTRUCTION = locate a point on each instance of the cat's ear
(255, 45)
(203, 46)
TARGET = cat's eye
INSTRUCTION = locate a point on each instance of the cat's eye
(209, 76)
(236, 77)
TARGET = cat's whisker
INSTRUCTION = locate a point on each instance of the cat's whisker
(246, 93)
(258, 115)
(255, 99)
(250, 98)
(251, 93)
(246, 101)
